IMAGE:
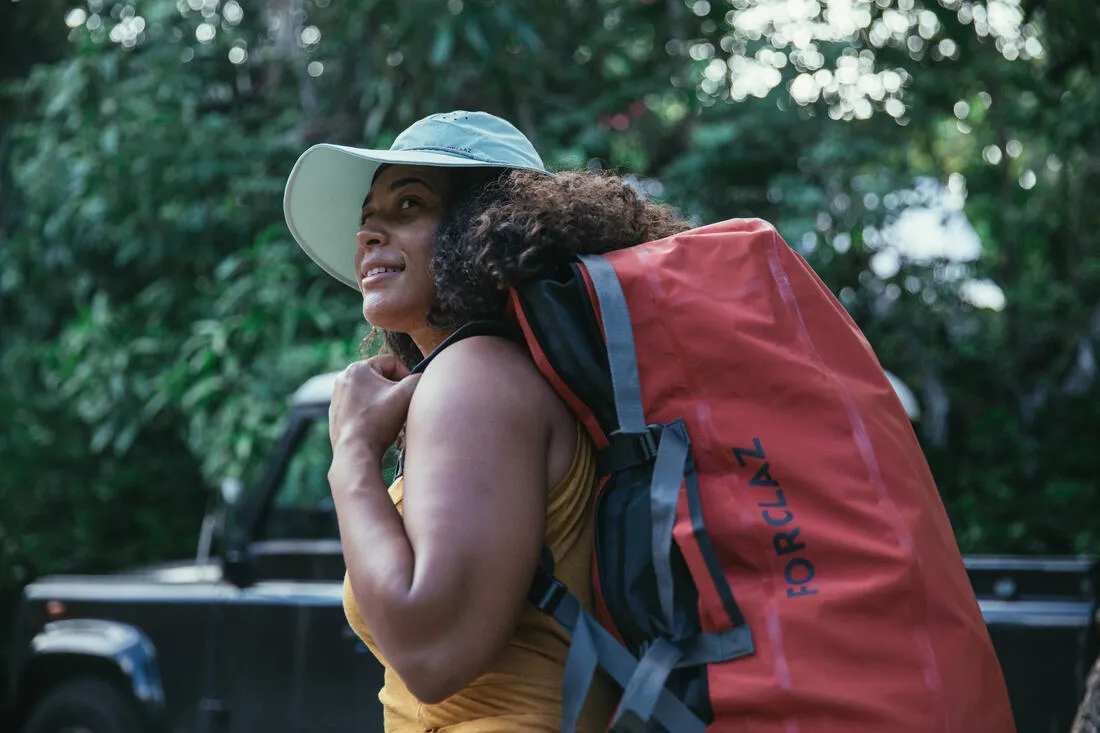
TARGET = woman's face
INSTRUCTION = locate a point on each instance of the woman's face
(396, 236)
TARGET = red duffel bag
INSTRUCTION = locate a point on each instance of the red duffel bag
(771, 555)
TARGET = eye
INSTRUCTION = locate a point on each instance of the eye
(364, 216)
(407, 203)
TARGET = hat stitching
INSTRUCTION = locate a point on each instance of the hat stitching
(466, 153)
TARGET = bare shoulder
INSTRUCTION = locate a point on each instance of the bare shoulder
(485, 394)
(485, 368)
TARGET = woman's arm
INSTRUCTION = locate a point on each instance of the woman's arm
(441, 589)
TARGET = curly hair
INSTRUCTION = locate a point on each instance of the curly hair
(508, 227)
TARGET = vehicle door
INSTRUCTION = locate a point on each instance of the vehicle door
(329, 679)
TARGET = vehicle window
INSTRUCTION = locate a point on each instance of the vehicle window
(302, 508)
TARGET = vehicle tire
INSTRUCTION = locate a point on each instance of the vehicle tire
(83, 705)
(1088, 715)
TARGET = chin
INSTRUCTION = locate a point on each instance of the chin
(381, 314)
(380, 322)
(386, 317)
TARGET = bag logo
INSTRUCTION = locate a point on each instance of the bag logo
(799, 571)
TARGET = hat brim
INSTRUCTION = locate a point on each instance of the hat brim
(324, 196)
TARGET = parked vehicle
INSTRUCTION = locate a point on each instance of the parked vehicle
(1042, 616)
(253, 637)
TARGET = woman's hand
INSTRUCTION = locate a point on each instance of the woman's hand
(369, 404)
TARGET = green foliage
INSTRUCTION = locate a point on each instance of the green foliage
(155, 313)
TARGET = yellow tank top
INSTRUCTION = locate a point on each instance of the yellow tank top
(522, 690)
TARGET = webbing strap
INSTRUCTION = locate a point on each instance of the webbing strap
(619, 335)
(563, 607)
(720, 646)
(580, 667)
(664, 495)
(640, 696)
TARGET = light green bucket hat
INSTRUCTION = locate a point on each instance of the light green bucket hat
(324, 193)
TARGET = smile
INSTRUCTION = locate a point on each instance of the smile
(379, 270)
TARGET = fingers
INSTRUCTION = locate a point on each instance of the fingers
(370, 402)
(365, 374)
(389, 366)
(408, 385)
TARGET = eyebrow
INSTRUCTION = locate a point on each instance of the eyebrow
(399, 183)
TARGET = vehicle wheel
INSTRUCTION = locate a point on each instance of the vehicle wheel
(83, 706)
(1088, 715)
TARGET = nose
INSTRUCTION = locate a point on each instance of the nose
(368, 236)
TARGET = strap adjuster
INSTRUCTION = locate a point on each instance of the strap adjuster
(626, 450)
(648, 442)
(546, 593)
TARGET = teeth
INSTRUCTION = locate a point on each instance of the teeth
(376, 270)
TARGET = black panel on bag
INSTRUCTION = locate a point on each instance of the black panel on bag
(563, 321)
(629, 585)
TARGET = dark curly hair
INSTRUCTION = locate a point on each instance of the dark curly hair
(508, 227)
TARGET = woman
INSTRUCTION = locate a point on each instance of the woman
(457, 211)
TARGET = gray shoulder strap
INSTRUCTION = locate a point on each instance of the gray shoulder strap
(620, 343)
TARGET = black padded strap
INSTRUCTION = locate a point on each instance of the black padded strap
(473, 328)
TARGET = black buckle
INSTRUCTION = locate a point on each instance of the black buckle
(546, 593)
(626, 450)
(649, 441)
